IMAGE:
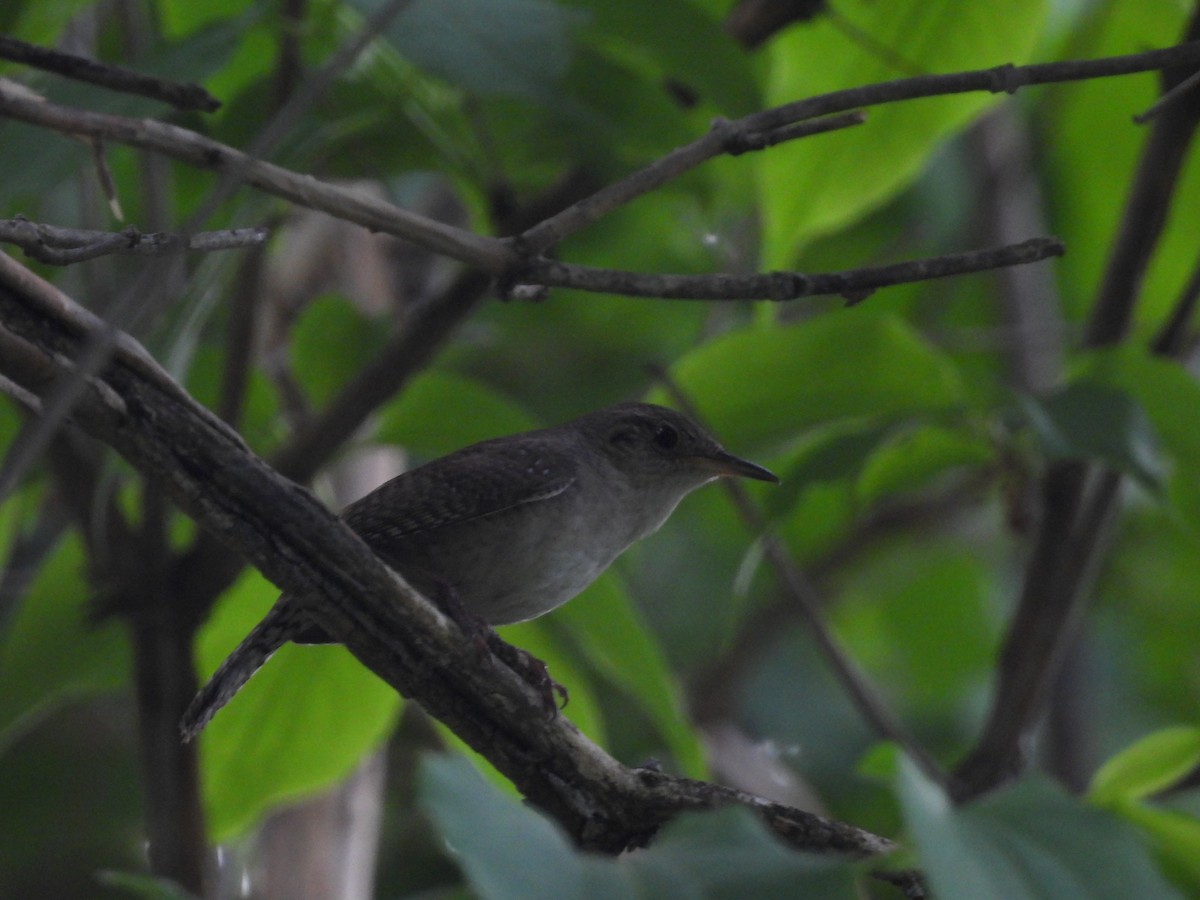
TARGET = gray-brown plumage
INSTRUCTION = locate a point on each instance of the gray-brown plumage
(511, 528)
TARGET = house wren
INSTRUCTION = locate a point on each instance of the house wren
(508, 529)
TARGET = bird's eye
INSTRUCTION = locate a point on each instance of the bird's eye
(666, 436)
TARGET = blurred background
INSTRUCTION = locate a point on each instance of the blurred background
(911, 430)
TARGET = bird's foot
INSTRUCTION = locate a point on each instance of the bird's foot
(491, 646)
(474, 628)
(535, 672)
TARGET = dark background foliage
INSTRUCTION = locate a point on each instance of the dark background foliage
(916, 433)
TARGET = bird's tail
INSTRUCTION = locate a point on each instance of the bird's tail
(267, 636)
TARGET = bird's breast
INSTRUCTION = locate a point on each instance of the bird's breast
(526, 561)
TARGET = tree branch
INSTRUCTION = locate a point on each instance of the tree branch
(127, 81)
(803, 596)
(205, 467)
(1002, 79)
(304, 190)
(499, 257)
(60, 246)
(854, 284)
(1078, 502)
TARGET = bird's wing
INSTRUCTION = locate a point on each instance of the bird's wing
(478, 481)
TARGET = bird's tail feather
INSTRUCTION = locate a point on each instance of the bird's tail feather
(267, 636)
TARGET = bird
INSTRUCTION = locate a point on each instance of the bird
(508, 529)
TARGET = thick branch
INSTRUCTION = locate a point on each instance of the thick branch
(301, 546)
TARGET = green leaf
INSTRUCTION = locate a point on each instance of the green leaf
(1024, 842)
(881, 762)
(147, 887)
(812, 187)
(838, 454)
(441, 412)
(830, 458)
(1169, 395)
(916, 456)
(514, 47)
(918, 615)
(507, 850)
(1176, 840)
(1148, 766)
(676, 40)
(329, 344)
(50, 653)
(1092, 421)
(605, 624)
(301, 724)
(760, 386)
(1096, 146)
(728, 853)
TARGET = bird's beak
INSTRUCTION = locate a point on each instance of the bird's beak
(723, 463)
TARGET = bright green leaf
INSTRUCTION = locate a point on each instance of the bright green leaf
(760, 386)
(881, 762)
(329, 344)
(1151, 764)
(811, 187)
(917, 616)
(606, 625)
(916, 456)
(301, 724)
(441, 412)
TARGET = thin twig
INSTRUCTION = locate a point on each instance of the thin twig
(240, 167)
(122, 313)
(854, 284)
(1078, 502)
(718, 681)
(62, 246)
(1002, 79)
(496, 256)
(1171, 338)
(1172, 95)
(803, 594)
(117, 78)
